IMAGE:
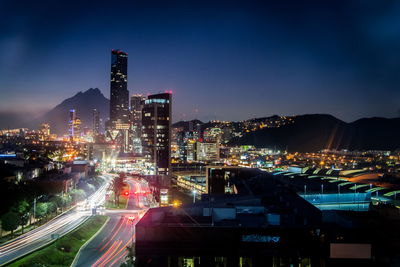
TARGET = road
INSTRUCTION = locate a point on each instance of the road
(41, 236)
(109, 247)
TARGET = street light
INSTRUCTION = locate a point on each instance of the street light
(194, 195)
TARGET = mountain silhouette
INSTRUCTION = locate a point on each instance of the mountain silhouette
(310, 133)
(83, 103)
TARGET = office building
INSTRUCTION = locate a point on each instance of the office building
(156, 135)
(44, 132)
(96, 123)
(74, 126)
(118, 125)
(207, 151)
(72, 117)
(137, 102)
(119, 94)
(257, 222)
(275, 228)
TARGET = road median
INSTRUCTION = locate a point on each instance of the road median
(62, 252)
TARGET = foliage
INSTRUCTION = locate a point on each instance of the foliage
(85, 185)
(111, 204)
(130, 259)
(77, 195)
(59, 201)
(62, 252)
(10, 221)
(91, 188)
(51, 207)
(22, 209)
(41, 210)
(118, 184)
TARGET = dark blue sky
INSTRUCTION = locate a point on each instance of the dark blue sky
(228, 60)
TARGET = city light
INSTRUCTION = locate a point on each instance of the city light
(269, 135)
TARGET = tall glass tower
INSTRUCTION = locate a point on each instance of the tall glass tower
(156, 134)
(119, 94)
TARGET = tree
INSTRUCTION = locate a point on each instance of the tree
(130, 259)
(61, 201)
(10, 221)
(41, 210)
(51, 207)
(91, 188)
(22, 209)
(78, 195)
(118, 184)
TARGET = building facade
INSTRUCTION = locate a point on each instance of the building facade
(156, 131)
(118, 125)
(119, 94)
(137, 102)
(74, 126)
(96, 122)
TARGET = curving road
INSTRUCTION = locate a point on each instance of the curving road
(41, 236)
(109, 246)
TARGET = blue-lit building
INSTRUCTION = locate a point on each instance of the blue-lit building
(156, 131)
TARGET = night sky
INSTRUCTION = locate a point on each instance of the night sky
(222, 60)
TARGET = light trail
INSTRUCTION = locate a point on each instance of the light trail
(61, 225)
(112, 242)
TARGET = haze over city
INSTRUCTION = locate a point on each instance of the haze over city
(199, 133)
(229, 60)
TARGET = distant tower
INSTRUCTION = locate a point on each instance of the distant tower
(118, 125)
(44, 131)
(137, 102)
(71, 122)
(77, 129)
(96, 122)
(119, 94)
(74, 126)
(156, 135)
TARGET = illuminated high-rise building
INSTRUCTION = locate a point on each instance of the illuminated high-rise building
(207, 152)
(137, 102)
(96, 122)
(74, 126)
(71, 128)
(44, 131)
(118, 125)
(77, 129)
(119, 94)
(156, 131)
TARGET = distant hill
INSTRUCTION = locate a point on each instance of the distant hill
(314, 132)
(185, 124)
(83, 103)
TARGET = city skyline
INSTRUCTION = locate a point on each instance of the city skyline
(200, 133)
(213, 61)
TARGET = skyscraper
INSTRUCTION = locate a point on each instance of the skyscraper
(156, 135)
(96, 122)
(44, 131)
(119, 94)
(118, 125)
(71, 123)
(74, 126)
(137, 102)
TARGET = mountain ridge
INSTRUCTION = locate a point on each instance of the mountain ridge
(314, 132)
(83, 102)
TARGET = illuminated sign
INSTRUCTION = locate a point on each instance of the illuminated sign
(159, 101)
(8, 155)
(261, 238)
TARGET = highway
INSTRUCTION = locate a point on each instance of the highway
(109, 247)
(42, 235)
